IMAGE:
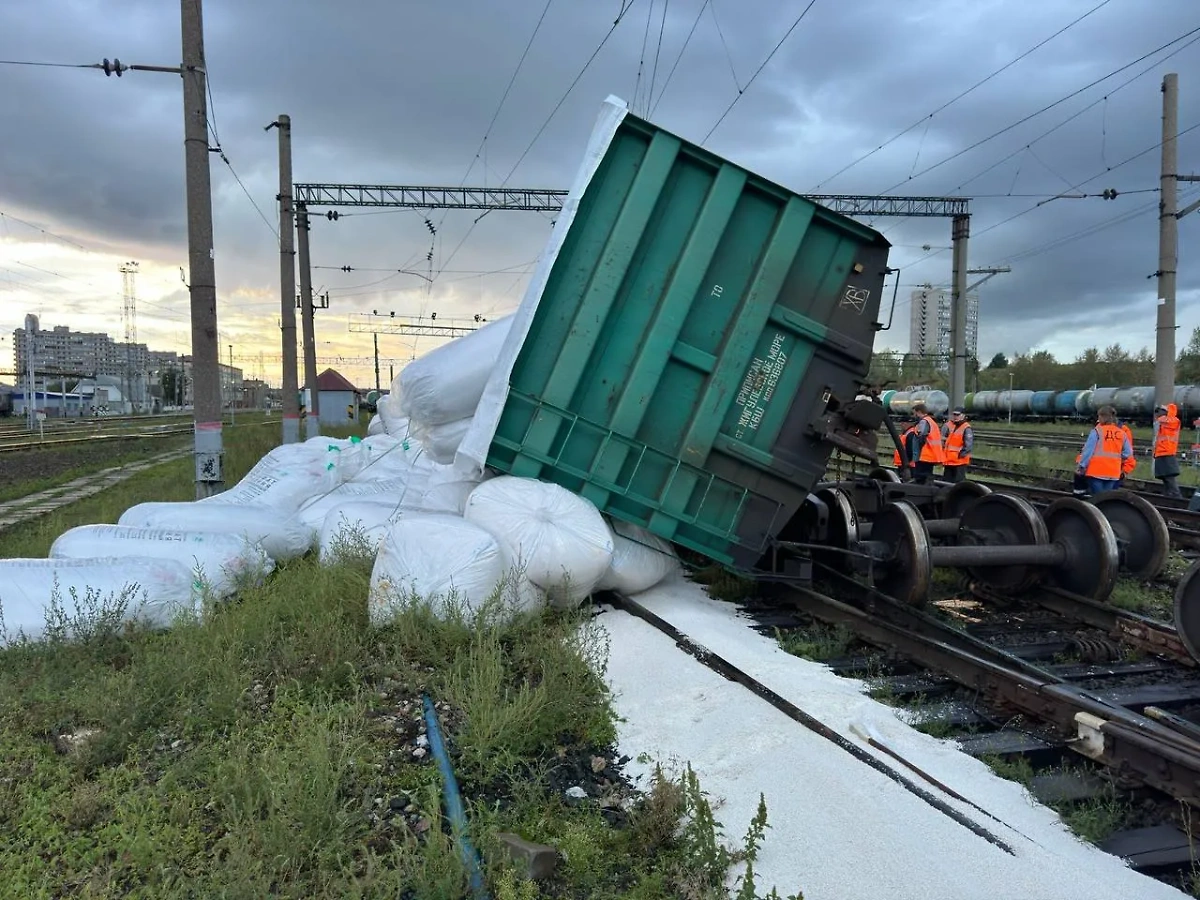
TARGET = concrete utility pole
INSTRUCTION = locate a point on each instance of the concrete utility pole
(1168, 246)
(312, 426)
(287, 283)
(206, 375)
(960, 232)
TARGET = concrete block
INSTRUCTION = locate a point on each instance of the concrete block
(537, 860)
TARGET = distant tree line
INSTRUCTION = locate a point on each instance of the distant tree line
(1037, 371)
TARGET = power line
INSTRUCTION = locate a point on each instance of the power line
(1075, 115)
(675, 65)
(1034, 115)
(257, 209)
(53, 65)
(1008, 65)
(621, 15)
(662, 26)
(1080, 184)
(742, 91)
(48, 233)
(563, 99)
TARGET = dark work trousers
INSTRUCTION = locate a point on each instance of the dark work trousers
(1170, 488)
(955, 474)
(923, 472)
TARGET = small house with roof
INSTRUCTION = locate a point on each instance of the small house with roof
(337, 397)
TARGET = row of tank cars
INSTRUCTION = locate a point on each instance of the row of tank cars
(1134, 403)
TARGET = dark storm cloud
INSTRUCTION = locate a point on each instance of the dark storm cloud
(403, 92)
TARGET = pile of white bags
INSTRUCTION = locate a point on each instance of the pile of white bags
(640, 560)
(75, 596)
(221, 562)
(282, 537)
(440, 441)
(375, 426)
(557, 538)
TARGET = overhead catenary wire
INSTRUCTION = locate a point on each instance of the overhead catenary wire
(553, 112)
(959, 96)
(742, 91)
(682, 50)
(1044, 109)
(1075, 186)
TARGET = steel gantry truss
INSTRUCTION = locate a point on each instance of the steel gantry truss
(410, 326)
(957, 209)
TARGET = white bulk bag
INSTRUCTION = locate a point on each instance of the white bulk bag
(559, 538)
(351, 521)
(223, 562)
(130, 589)
(440, 442)
(435, 557)
(375, 426)
(391, 457)
(640, 560)
(281, 480)
(282, 537)
(391, 491)
(445, 384)
(447, 490)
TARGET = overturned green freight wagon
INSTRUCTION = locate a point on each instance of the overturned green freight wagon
(686, 351)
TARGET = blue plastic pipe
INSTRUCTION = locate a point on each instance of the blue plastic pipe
(454, 804)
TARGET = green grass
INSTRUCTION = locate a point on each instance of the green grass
(265, 747)
(817, 642)
(1135, 596)
(1093, 819)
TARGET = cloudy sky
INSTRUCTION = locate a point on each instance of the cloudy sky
(405, 92)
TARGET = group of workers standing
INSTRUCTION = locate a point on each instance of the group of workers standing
(1105, 461)
(1107, 457)
(928, 445)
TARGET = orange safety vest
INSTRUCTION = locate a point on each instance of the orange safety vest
(954, 445)
(932, 452)
(896, 453)
(1130, 464)
(1106, 458)
(1167, 442)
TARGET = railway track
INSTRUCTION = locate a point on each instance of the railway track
(1027, 636)
(160, 432)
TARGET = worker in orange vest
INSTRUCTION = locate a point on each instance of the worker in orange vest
(1127, 466)
(957, 440)
(1166, 448)
(1104, 453)
(906, 441)
(927, 447)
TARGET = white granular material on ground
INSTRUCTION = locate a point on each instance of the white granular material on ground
(839, 830)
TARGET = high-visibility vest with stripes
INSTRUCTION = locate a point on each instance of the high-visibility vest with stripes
(1106, 458)
(1130, 464)
(896, 453)
(932, 452)
(955, 456)
(1167, 442)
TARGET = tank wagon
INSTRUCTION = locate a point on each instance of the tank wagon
(691, 351)
(1132, 403)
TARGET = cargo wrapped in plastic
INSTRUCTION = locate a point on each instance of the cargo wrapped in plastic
(393, 492)
(282, 480)
(441, 559)
(445, 384)
(391, 457)
(394, 423)
(559, 539)
(447, 490)
(223, 563)
(375, 426)
(640, 560)
(440, 441)
(354, 528)
(282, 537)
(73, 598)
